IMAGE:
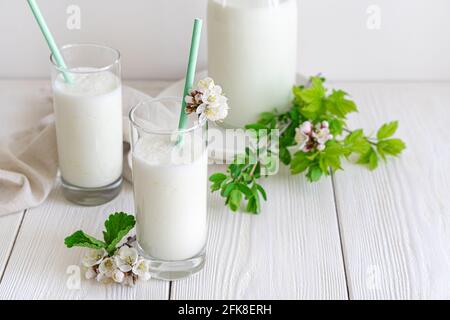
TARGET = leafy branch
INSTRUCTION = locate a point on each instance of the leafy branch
(314, 138)
(117, 227)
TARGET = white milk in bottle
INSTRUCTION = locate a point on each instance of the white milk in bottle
(252, 54)
(89, 128)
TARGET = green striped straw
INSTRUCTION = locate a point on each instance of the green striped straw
(190, 74)
(49, 38)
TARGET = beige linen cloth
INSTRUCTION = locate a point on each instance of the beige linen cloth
(29, 160)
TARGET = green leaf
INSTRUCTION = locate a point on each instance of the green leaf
(235, 200)
(217, 177)
(226, 190)
(392, 147)
(255, 126)
(235, 170)
(357, 142)
(300, 163)
(338, 105)
(313, 98)
(333, 148)
(354, 136)
(80, 239)
(313, 109)
(245, 190)
(267, 119)
(370, 159)
(262, 191)
(361, 146)
(252, 206)
(314, 93)
(256, 130)
(334, 163)
(373, 161)
(117, 226)
(285, 156)
(314, 174)
(294, 115)
(323, 164)
(215, 187)
(256, 198)
(337, 126)
(270, 163)
(387, 130)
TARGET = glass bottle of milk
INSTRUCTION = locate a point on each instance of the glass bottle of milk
(252, 53)
(88, 115)
(169, 169)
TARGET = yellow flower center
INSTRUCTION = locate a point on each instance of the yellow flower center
(129, 260)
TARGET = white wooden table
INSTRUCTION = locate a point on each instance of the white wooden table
(357, 235)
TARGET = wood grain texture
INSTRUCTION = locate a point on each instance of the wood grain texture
(395, 222)
(9, 227)
(290, 251)
(38, 266)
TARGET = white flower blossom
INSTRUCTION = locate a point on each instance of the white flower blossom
(125, 267)
(309, 136)
(301, 138)
(94, 257)
(214, 112)
(212, 95)
(107, 267)
(118, 276)
(90, 273)
(306, 127)
(322, 133)
(142, 269)
(126, 258)
(207, 101)
(205, 84)
(101, 277)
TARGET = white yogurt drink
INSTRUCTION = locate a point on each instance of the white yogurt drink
(169, 169)
(252, 54)
(87, 101)
(170, 200)
(89, 128)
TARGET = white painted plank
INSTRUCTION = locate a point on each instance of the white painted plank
(38, 264)
(290, 251)
(9, 227)
(395, 222)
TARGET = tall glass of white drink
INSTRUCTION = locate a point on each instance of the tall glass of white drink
(170, 187)
(88, 113)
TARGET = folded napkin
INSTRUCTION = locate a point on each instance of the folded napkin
(29, 160)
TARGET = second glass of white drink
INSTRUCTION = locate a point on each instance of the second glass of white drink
(169, 168)
(88, 111)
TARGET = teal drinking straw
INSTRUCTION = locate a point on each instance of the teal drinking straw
(190, 74)
(49, 38)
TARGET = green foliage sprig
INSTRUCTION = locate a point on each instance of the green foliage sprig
(314, 104)
(116, 228)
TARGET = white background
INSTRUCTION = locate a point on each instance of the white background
(413, 42)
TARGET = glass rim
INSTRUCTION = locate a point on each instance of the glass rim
(134, 123)
(90, 45)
